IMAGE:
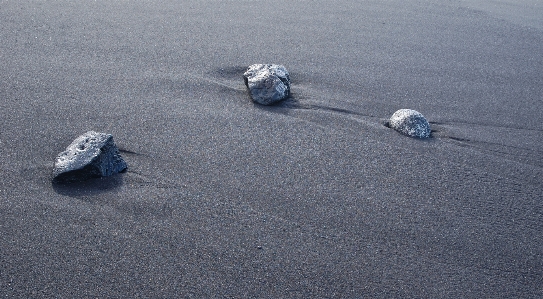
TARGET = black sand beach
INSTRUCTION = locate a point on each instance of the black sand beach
(311, 198)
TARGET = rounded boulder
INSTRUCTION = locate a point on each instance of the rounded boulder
(267, 83)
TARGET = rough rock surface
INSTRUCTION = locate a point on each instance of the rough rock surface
(90, 155)
(267, 83)
(411, 123)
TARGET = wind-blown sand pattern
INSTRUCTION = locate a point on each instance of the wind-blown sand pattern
(313, 197)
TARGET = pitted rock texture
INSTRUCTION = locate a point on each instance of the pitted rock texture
(267, 83)
(91, 155)
(411, 123)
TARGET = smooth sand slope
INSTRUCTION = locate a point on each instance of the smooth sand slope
(311, 198)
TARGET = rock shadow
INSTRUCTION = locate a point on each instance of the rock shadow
(297, 101)
(90, 187)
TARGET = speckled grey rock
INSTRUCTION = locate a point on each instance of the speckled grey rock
(267, 83)
(411, 123)
(90, 155)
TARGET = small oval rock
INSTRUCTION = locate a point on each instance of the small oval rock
(411, 123)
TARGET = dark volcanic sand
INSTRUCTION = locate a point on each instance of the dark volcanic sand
(312, 198)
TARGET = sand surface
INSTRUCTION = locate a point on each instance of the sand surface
(311, 198)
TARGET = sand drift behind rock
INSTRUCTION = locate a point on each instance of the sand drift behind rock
(91, 155)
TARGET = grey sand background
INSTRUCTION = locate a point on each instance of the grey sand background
(311, 198)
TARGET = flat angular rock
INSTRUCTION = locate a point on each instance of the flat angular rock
(267, 83)
(411, 123)
(91, 155)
